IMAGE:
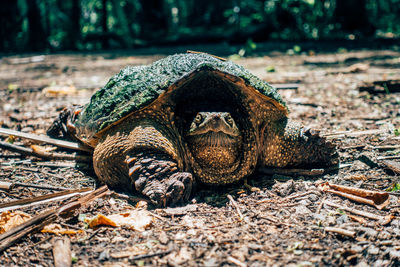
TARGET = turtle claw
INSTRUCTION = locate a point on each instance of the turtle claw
(63, 127)
(167, 192)
(156, 195)
(156, 177)
(179, 187)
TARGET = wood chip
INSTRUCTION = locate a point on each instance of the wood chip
(62, 252)
(340, 231)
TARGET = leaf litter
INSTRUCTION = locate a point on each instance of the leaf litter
(287, 222)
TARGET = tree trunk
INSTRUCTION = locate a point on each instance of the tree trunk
(352, 15)
(123, 24)
(37, 36)
(104, 17)
(75, 28)
(153, 20)
(10, 21)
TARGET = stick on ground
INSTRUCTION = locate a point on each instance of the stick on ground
(45, 139)
(233, 203)
(42, 154)
(41, 199)
(12, 236)
(311, 172)
(366, 214)
(340, 231)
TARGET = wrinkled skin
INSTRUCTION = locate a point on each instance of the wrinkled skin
(214, 140)
(159, 129)
(143, 157)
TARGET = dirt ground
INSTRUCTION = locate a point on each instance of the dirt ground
(284, 223)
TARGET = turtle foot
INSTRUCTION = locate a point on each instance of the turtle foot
(63, 127)
(158, 178)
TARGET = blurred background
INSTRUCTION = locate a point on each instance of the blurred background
(90, 25)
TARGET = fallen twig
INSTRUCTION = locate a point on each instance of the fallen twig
(9, 186)
(38, 222)
(249, 187)
(387, 147)
(340, 231)
(161, 253)
(301, 195)
(62, 252)
(235, 261)
(45, 139)
(354, 133)
(269, 218)
(233, 203)
(56, 164)
(376, 199)
(353, 147)
(320, 206)
(358, 219)
(365, 214)
(95, 233)
(41, 199)
(312, 172)
(42, 154)
(388, 157)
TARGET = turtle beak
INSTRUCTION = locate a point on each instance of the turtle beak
(215, 120)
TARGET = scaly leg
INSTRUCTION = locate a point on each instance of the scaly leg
(142, 160)
(292, 145)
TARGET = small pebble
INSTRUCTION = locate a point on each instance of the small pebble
(373, 250)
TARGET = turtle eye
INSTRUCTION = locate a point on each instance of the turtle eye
(229, 120)
(198, 119)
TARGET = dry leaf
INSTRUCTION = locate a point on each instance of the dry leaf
(57, 229)
(43, 149)
(10, 220)
(60, 90)
(100, 219)
(137, 220)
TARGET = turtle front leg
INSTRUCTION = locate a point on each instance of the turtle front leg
(292, 145)
(142, 160)
(156, 176)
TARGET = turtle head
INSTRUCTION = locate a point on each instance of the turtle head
(214, 123)
(215, 141)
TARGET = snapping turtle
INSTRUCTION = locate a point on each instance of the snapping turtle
(189, 117)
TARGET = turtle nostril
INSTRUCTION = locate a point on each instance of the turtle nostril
(216, 117)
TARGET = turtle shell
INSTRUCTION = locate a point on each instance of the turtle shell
(135, 88)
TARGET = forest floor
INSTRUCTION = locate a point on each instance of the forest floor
(289, 221)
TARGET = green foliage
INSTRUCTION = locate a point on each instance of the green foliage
(270, 68)
(74, 259)
(395, 187)
(99, 24)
